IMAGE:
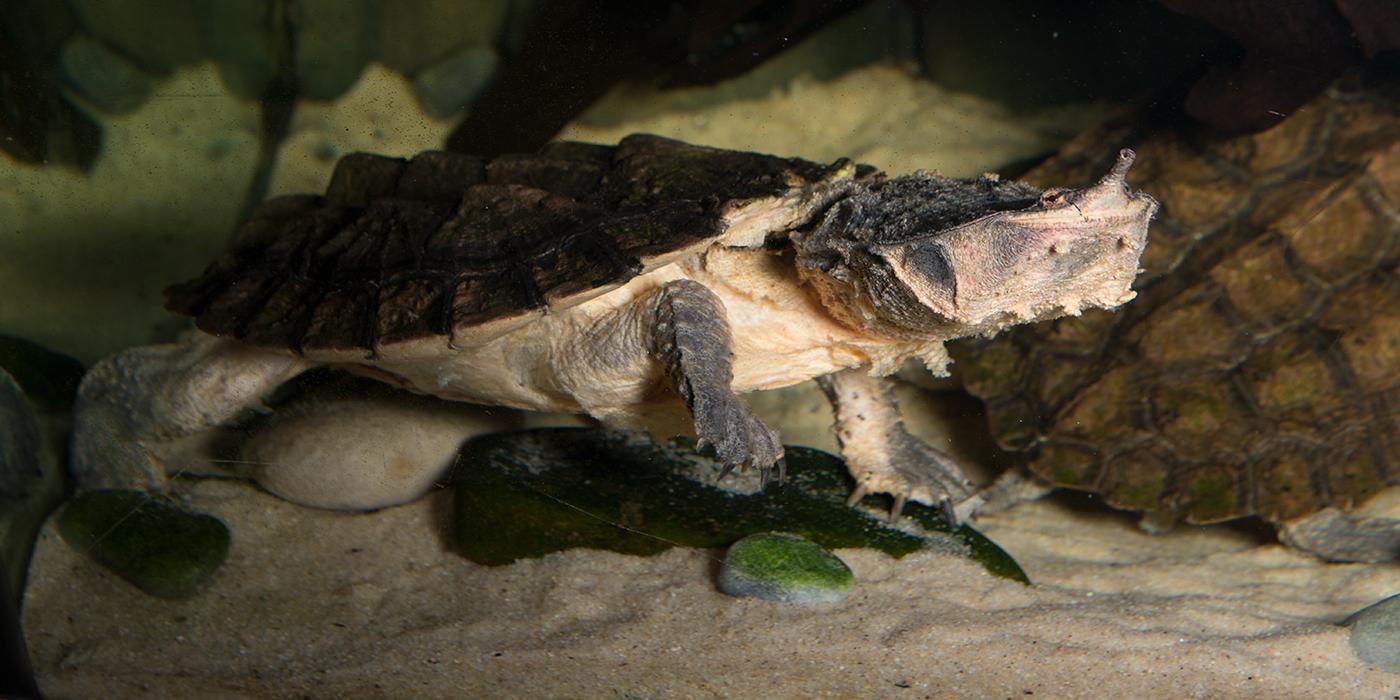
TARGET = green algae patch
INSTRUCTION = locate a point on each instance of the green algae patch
(165, 551)
(529, 493)
(980, 548)
(784, 568)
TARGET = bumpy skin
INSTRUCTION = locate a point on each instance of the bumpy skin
(1258, 372)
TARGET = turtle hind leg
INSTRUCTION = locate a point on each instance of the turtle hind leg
(883, 457)
(139, 407)
(690, 338)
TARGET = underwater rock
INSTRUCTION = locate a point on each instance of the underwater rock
(47, 25)
(49, 379)
(449, 86)
(362, 452)
(416, 33)
(158, 35)
(31, 482)
(1375, 634)
(20, 441)
(237, 36)
(31, 485)
(784, 569)
(103, 76)
(38, 125)
(334, 42)
(164, 550)
(1371, 533)
(529, 493)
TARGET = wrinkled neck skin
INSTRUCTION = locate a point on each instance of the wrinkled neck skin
(928, 257)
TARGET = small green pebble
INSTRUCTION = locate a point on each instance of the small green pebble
(165, 551)
(784, 568)
(1375, 634)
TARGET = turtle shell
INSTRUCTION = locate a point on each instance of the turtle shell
(451, 245)
(1258, 370)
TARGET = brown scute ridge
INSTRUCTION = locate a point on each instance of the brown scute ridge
(410, 308)
(648, 171)
(562, 176)
(439, 175)
(361, 178)
(1258, 372)
(504, 293)
(341, 319)
(398, 250)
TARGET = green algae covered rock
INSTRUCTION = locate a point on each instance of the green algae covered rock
(37, 387)
(528, 493)
(104, 77)
(49, 379)
(164, 550)
(784, 568)
(449, 86)
(31, 483)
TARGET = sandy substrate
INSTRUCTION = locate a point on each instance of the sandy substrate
(319, 604)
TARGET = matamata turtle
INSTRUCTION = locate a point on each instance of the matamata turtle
(604, 279)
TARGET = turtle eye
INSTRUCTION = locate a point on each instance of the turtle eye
(1051, 198)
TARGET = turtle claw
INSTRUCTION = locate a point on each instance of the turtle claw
(943, 504)
(910, 470)
(739, 438)
(883, 457)
(898, 507)
(765, 472)
(950, 515)
(857, 493)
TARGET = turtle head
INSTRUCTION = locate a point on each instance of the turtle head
(933, 257)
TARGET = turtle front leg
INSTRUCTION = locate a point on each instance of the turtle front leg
(690, 338)
(883, 457)
(135, 408)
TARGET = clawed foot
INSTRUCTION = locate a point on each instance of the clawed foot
(909, 469)
(739, 437)
(884, 458)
